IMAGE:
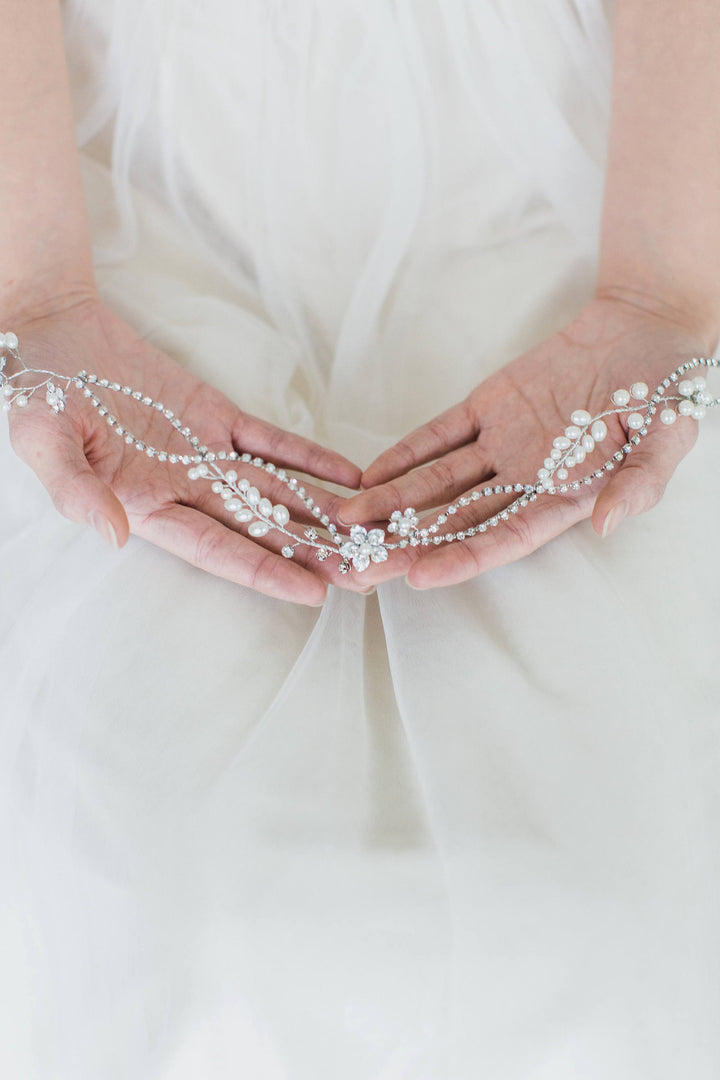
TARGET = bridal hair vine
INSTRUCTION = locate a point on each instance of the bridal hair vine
(682, 393)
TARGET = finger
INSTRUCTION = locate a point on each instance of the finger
(448, 431)
(430, 486)
(284, 448)
(219, 550)
(54, 451)
(523, 532)
(640, 483)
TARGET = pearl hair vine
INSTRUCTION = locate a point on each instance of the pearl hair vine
(680, 394)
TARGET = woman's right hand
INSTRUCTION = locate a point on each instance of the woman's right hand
(93, 476)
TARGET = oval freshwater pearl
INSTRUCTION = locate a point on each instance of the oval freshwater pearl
(549, 463)
(542, 474)
(581, 417)
(21, 401)
(231, 476)
(572, 432)
(258, 528)
(562, 474)
(686, 407)
(243, 484)
(621, 397)
(635, 421)
(668, 416)
(556, 454)
(599, 430)
(233, 505)
(265, 507)
(11, 340)
(281, 514)
(588, 444)
(244, 515)
(570, 460)
(639, 391)
(252, 495)
(561, 442)
(579, 455)
(685, 388)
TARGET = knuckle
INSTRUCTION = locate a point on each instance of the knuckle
(264, 571)
(207, 548)
(521, 531)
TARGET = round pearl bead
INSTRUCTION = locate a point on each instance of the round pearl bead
(699, 382)
(555, 455)
(8, 391)
(686, 407)
(639, 391)
(231, 476)
(542, 474)
(258, 528)
(685, 388)
(621, 397)
(11, 341)
(635, 421)
(599, 430)
(581, 417)
(668, 416)
(549, 463)
(698, 412)
(21, 401)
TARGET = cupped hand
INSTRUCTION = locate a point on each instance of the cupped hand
(93, 476)
(502, 432)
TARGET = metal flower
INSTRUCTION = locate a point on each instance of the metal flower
(364, 547)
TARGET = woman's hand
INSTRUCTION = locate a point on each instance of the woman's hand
(505, 428)
(93, 476)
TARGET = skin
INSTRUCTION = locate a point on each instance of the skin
(656, 304)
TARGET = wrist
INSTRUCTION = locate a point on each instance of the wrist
(44, 298)
(697, 314)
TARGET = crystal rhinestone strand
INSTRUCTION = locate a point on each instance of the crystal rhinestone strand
(683, 393)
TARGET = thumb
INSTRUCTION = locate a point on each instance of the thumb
(57, 458)
(640, 482)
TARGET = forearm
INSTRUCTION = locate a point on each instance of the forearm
(45, 243)
(661, 222)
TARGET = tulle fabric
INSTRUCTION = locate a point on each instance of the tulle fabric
(469, 833)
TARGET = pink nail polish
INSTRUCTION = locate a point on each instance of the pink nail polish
(614, 518)
(105, 527)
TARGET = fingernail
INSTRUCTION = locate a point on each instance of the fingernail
(417, 588)
(616, 515)
(105, 527)
(370, 591)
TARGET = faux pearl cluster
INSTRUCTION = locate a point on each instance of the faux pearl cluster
(680, 394)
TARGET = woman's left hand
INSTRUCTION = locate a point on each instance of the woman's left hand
(505, 428)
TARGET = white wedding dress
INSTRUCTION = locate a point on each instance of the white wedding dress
(468, 834)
